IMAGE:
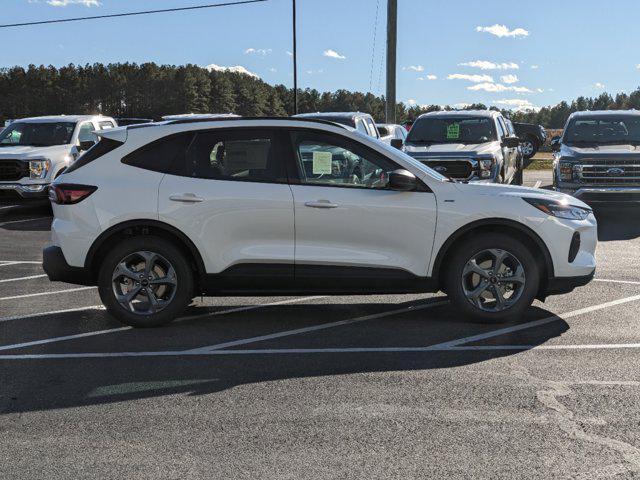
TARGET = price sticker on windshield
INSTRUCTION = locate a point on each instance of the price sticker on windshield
(453, 131)
(322, 163)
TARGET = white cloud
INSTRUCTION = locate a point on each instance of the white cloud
(314, 72)
(535, 67)
(415, 68)
(258, 51)
(503, 31)
(333, 54)
(461, 106)
(599, 85)
(486, 65)
(471, 78)
(518, 104)
(509, 79)
(411, 102)
(289, 53)
(428, 77)
(498, 87)
(64, 3)
(273, 70)
(236, 69)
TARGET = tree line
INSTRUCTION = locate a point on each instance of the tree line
(150, 91)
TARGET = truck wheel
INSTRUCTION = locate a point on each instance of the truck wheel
(529, 148)
(145, 282)
(492, 277)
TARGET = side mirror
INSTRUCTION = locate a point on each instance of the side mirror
(397, 143)
(402, 180)
(510, 142)
(86, 145)
(555, 143)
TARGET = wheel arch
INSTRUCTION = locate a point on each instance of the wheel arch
(497, 225)
(145, 227)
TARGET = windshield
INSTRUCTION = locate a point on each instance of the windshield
(467, 130)
(37, 134)
(609, 130)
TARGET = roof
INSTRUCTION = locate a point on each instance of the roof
(330, 114)
(62, 118)
(462, 113)
(199, 115)
(226, 119)
(604, 113)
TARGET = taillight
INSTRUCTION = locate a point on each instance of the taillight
(67, 194)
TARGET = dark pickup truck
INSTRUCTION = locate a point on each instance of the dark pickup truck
(598, 157)
(531, 136)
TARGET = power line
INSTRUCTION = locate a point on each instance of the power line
(130, 14)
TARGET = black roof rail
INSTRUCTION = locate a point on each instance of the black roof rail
(236, 119)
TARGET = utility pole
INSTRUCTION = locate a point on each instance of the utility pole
(295, 63)
(392, 40)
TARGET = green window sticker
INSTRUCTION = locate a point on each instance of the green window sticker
(453, 131)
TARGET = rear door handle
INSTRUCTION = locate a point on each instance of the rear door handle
(186, 198)
(321, 204)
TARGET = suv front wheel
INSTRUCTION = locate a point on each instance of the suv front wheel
(145, 282)
(492, 277)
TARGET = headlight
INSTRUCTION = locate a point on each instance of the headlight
(558, 209)
(566, 171)
(38, 169)
(486, 164)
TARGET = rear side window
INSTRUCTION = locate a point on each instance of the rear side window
(162, 155)
(246, 155)
(104, 146)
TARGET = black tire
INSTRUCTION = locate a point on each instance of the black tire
(472, 247)
(181, 294)
(531, 146)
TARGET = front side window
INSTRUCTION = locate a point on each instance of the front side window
(235, 155)
(37, 134)
(325, 160)
(611, 130)
(455, 129)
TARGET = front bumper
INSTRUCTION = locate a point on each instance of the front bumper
(562, 285)
(24, 191)
(604, 195)
(58, 270)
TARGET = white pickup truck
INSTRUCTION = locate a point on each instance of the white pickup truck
(34, 151)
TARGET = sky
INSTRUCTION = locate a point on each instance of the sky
(510, 54)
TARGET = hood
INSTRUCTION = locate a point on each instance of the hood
(512, 191)
(452, 149)
(603, 150)
(25, 152)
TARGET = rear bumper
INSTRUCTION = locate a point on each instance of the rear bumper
(561, 285)
(24, 191)
(58, 270)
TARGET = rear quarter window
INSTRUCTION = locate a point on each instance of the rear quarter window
(162, 155)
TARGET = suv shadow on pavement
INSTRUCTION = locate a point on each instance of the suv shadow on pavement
(46, 384)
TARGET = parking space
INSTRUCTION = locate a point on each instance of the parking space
(317, 387)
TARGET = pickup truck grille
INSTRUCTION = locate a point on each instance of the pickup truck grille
(609, 172)
(459, 169)
(11, 170)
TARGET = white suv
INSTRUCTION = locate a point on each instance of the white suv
(160, 213)
(34, 151)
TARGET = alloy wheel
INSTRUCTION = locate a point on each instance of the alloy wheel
(144, 283)
(493, 280)
(527, 148)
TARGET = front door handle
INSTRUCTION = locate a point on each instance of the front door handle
(321, 204)
(186, 198)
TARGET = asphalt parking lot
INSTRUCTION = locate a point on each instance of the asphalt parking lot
(319, 387)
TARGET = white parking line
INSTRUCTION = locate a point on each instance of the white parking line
(17, 262)
(452, 346)
(60, 339)
(52, 312)
(538, 183)
(8, 207)
(7, 264)
(7, 280)
(314, 328)
(55, 292)
(630, 282)
(23, 221)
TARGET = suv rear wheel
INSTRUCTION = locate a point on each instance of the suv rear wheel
(492, 277)
(145, 282)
